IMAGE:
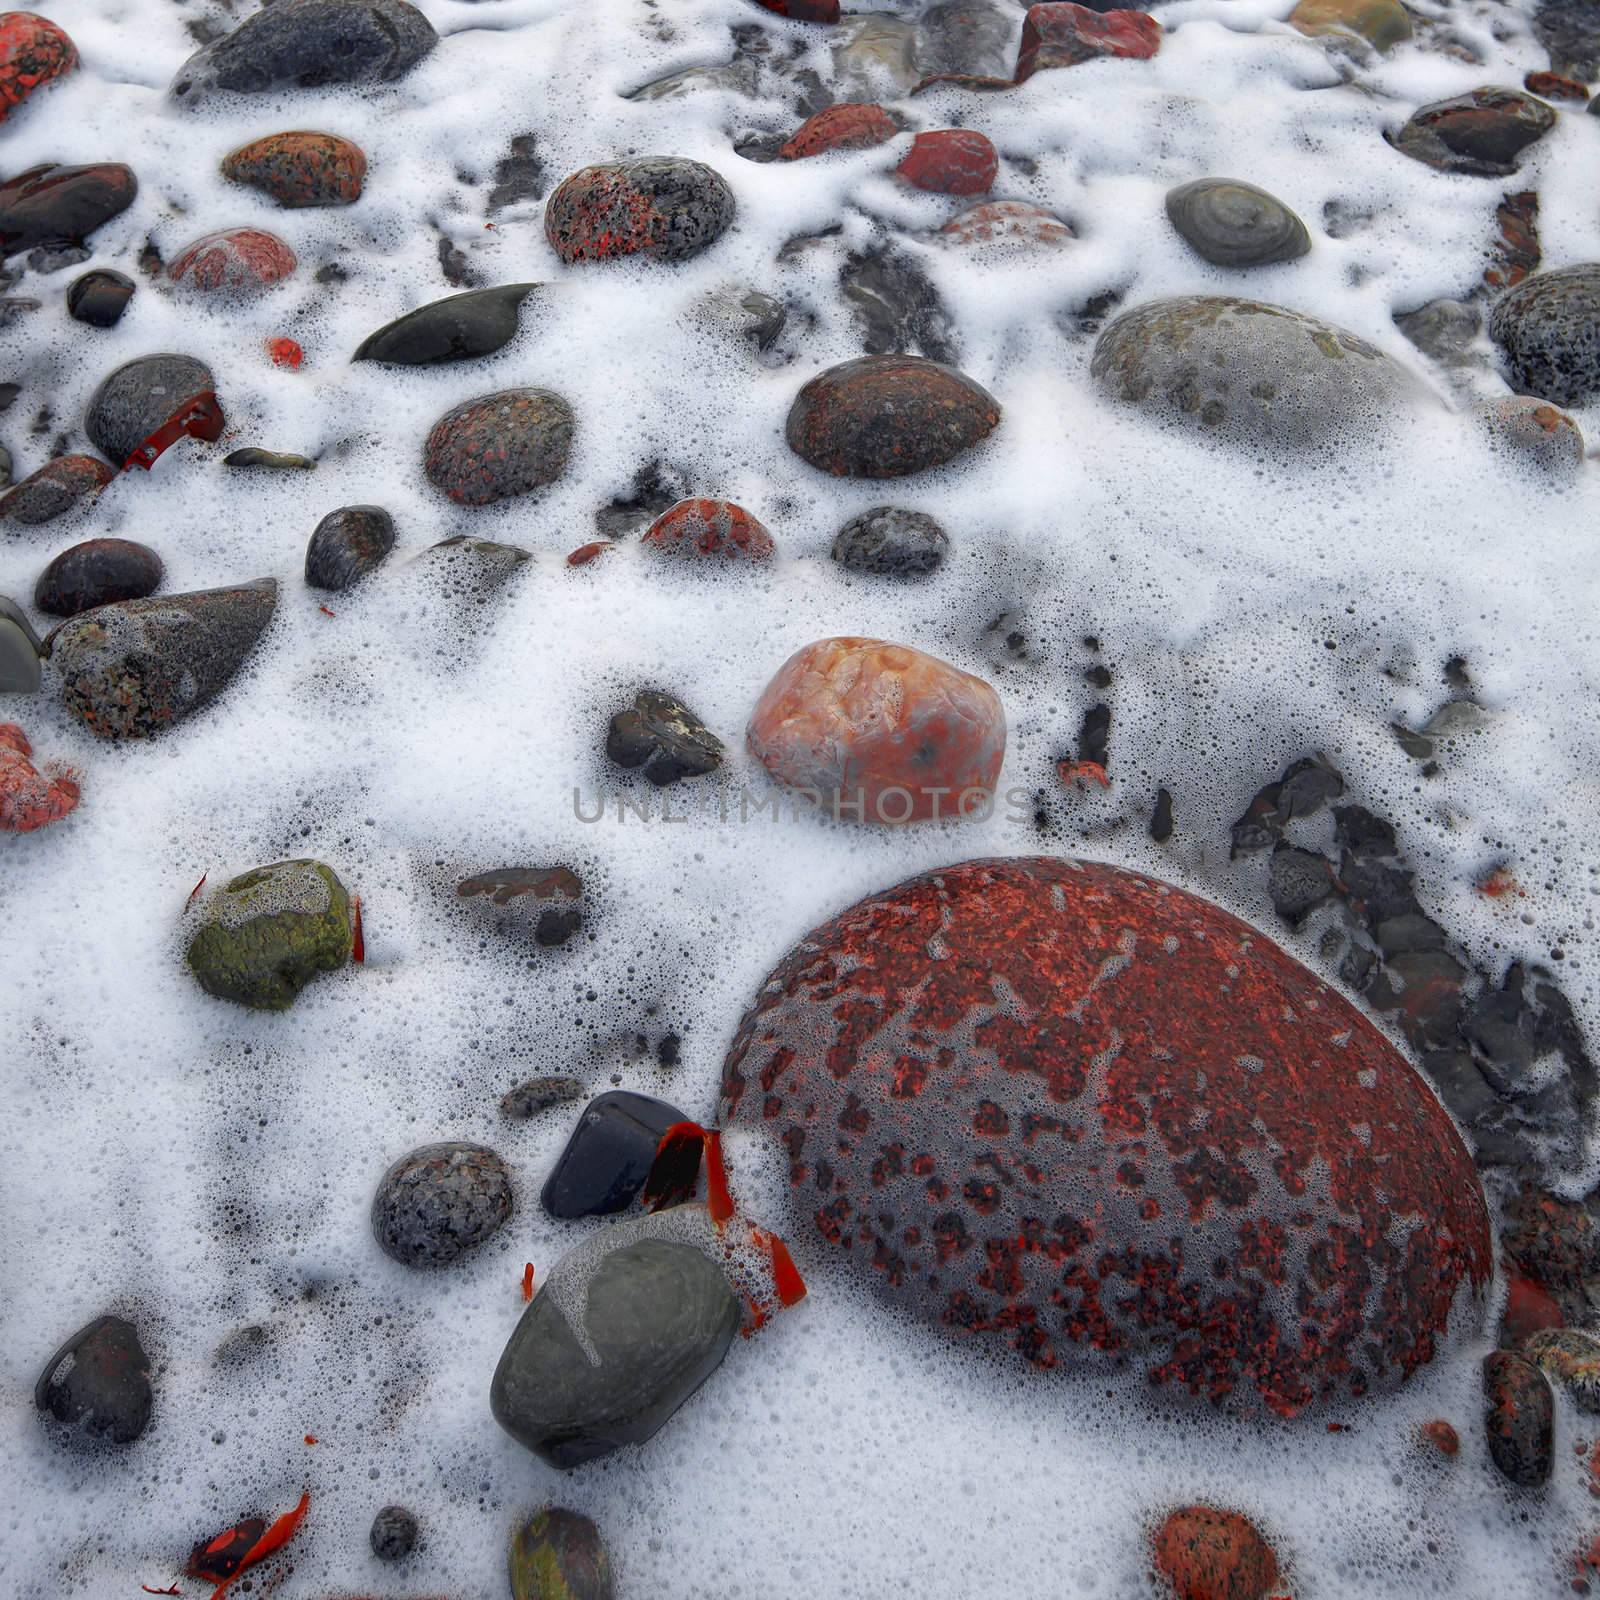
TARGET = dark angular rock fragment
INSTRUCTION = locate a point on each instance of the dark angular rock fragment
(608, 1155)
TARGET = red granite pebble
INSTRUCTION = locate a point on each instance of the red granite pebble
(585, 553)
(803, 10)
(1060, 34)
(1552, 86)
(719, 528)
(950, 161)
(1528, 1310)
(29, 799)
(1439, 1435)
(55, 488)
(1207, 1554)
(850, 125)
(1006, 222)
(33, 52)
(1062, 1109)
(236, 260)
(299, 168)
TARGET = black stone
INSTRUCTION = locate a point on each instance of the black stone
(534, 1095)
(100, 297)
(1298, 880)
(1520, 1419)
(1161, 817)
(659, 1315)
(59, 207)
(348, 544)
(664, 737)
(96, 573)
(609, 1155)
(139, 397)
(890, 542)
(307, 44)
(99, 1382)
(439, 1202)
(394, 1534)
(456, 328)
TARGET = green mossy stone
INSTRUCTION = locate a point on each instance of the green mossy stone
(269, 932)
(558, 1555)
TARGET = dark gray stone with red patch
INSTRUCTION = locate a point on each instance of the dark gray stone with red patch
(1064, 1109)
(348, 544)
(499, 445)
(54, 489)
(139, 397)
(887, 416)
(1483, 133)
(1520, 1419)
(98, 1383)
(54, 206)
(663, 207)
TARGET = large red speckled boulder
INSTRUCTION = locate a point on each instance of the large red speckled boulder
(33, 52)
(1060, 34)
(1065, 1109)
(234, 260)
(1207, 1554)
(849, 125)
(950, 161)
(715, 529)
(881, 732)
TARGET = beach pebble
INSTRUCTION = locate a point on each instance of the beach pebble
(967, 37)
(1548, 328)
(608, 1350)
(1520, 1419)
(34, 52)
(139, 397)
(1534, 432)
(393, 1535)
(99, 298)
(20, 672)
(662, 207)
(660, 735)
(98, 1382)
(1060, 34)
(57, 208)
(135, 668)
(714, 530)
(1209, 1554)
(309, 44)
(888, 415)
(95, 573)
(456, 328)
(440, 1202)
(608, 1155)
(1571, 1358)
(559, 1555)
(891, 542)
(300, 169)
(233, 261)
(1483, 133)
(950, 161)
(534, 1095)
(348, 544)
(56, 488)
(1235, 224)
(264, 935)
(849, 125)
(1382, 24)
(880, 733)
(29, 799)
(499, 445)
(1005, 222)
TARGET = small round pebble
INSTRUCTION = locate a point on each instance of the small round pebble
(394, 1534)
(891, 542)
(347, 545)
(100, 297)
(95, 573)
(439, 1202)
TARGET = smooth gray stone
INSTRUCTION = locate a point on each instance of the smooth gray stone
(659, 1315)
(19, 651)
(1235, 224)
(1549, 329)
(456, 328)
(136, 399)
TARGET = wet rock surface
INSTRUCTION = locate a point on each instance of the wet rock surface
(347, 545)
(300, 169)
(887, 416)
(891, 542)
(1520, 1420)
(659, 735)
(1210, 1554)
(1483, 133)
(846, 126)
(34, 53)
(709, 530)
(20, 672)
(880, 733)
(54, 208)
(950, 161)
(56, 488)
(543, 903)
(1060, 34)
(499, 445)
(234, 262)
(1548, 329)
(439, 1203)
(264, 935)
(96, 573)
(456, 328)
(1258, 372)
(662, 207)
(99, 298)
(536, 1095)
(608, 1155)
(98, 1383)
(895, 304)
(394, 1534)
(308, 44)
(1380, 24)
(853, 1021)
(136, 668)
(610, 1349)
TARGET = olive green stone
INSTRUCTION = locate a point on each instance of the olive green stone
(1380, 23)
(558, 1555)
(270, 931)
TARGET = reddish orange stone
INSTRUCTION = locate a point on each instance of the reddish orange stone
(1065, 1111)
(1006, 222)
(1060, 34)
(286, 353)
(1206, 1554)
(29, 798)
(1439, 1435)
(33, 52)
(950, 161)
(719, 528)
(585, 553)
(850, 125)
(1528, 1309)
(881, 732)
(803, 10)
(240, 260)
(1552, 86)
(300, 168)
